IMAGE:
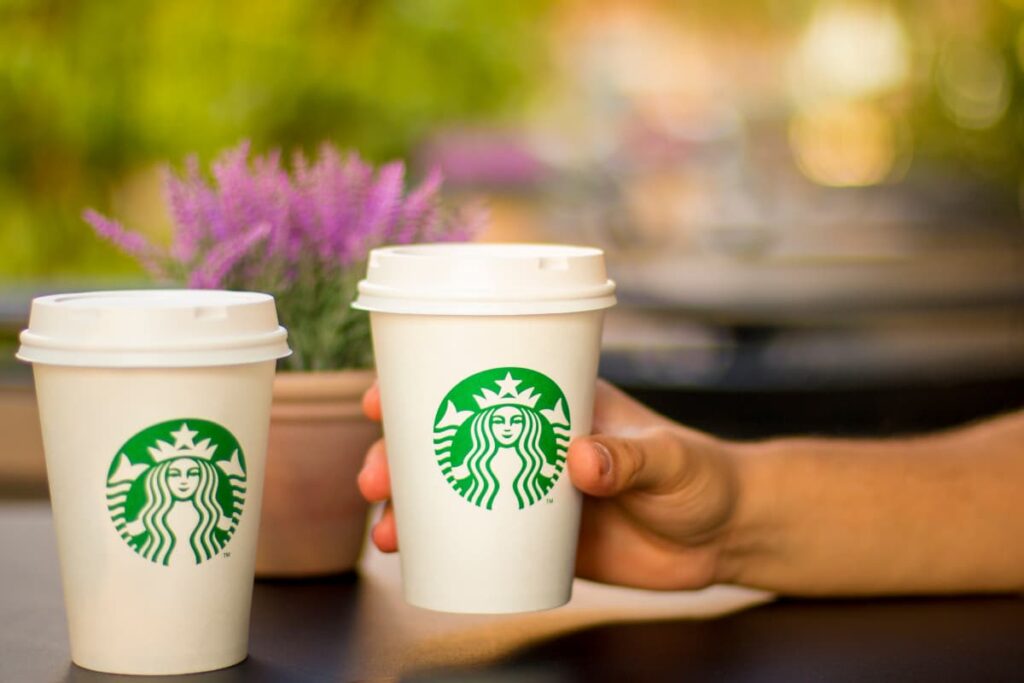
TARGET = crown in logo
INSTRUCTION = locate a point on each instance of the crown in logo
(184, 446)
(507, 394)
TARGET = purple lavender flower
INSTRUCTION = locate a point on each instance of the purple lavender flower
(301, 236)
(381, 207)
(220, 260)
(420, 212)
(131, 243)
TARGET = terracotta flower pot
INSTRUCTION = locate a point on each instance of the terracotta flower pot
(314, 520)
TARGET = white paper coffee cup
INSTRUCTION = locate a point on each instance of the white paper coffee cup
(487, 358)
(155, 409)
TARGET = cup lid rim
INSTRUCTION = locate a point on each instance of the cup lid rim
(528, 278)
(222, 328)
(175, 298)
(499, 250)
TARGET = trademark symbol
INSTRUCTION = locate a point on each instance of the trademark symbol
(549, 501)
(226, 555)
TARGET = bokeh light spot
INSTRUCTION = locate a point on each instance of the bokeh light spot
(973, 81)
(844, 144)
(850, 50)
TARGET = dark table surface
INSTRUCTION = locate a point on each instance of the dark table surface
(356, 627)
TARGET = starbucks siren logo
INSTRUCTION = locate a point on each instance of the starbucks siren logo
(175, 491)
(501, 430)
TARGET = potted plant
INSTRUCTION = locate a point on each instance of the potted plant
(302, 235)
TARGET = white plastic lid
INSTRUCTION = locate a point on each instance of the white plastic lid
(169, 328)
(485, 279)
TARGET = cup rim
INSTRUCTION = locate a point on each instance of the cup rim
(592, 291)
(261, 338)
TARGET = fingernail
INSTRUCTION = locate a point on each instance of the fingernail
(604, 458)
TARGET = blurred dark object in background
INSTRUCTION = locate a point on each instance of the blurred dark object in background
(851, 346)
(864, 412)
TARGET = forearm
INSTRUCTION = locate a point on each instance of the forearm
(936, 514)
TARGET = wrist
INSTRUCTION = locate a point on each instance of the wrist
(753, 535)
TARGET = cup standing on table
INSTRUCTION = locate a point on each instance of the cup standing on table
(487, 358)
(155, 409)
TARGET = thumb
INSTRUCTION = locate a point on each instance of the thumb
(656, 461)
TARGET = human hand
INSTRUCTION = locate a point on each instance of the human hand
(659, 498)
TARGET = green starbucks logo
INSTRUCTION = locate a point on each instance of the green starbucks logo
(501, 430)
(175, 491)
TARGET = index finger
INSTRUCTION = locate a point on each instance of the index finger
(371, 403)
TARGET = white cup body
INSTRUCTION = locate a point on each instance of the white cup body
(457, 555)
(128, 614)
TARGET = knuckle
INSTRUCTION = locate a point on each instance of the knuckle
(675, 458)
(633, 460)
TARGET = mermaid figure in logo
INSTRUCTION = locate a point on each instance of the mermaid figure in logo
(181, 503)
(498, 430)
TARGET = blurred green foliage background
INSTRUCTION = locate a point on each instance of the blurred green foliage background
(93, 91)
(95, 94)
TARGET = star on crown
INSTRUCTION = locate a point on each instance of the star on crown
(507, 394)
(184, 446)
